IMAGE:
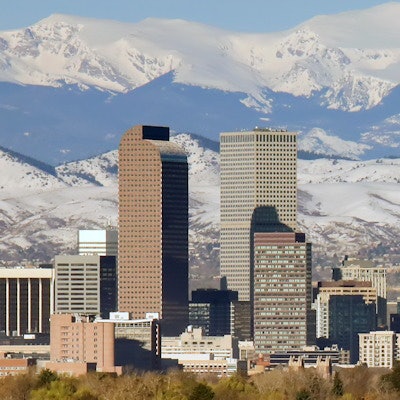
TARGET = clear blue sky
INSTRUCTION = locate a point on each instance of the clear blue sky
(238, 15)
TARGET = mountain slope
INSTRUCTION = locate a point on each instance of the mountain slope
(63, 49)
(70, 86)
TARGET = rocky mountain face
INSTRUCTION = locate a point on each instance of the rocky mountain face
(120, 57)
(345, 207)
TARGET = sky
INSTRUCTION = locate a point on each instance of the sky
(236, 15)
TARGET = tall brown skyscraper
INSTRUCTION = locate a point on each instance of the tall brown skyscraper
(153, 227)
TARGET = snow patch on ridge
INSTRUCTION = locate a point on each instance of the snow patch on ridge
(319, 142)
(317, 56)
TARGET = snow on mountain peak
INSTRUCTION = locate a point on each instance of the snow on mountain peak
(386, 133)
(319, 142)
(327, 52)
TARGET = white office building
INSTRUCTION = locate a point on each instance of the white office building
(192, 344)
(379, 348)
(102, 242)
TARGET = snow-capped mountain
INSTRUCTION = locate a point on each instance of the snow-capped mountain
(318, 142)
(345, 207)
(333, 53)
(70, 86)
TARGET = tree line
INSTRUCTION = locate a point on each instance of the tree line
(359, 383)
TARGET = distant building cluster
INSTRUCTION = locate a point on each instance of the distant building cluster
(122, 301)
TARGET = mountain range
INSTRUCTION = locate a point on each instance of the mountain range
(70, 86)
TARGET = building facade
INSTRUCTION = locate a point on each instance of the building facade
(80, 340)
(103, 242)
(85, 284)
(258, 168)
(283, 319)
(15, 366)
(193, 343)
(338, 288)
(26, 300)
(137, 342)
(153, 227)
(378, 348)
(349, 316)
(366, 271)
(210, 309)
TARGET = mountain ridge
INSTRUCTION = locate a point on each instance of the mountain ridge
(70, 85)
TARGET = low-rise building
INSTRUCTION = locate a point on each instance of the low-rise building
(193, 341)
(137, 341)
(379, 348)
(14, 366)
(227, 367)
(26, 300)
(80, 340)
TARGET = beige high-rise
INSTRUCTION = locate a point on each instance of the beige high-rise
(153, 227)
(258, 169)
(283, 319)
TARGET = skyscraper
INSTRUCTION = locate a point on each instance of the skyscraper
(258, 168)
(283, 319)
(153, 227)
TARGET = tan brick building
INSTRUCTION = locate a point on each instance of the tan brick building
(78, 340)
(153, 227)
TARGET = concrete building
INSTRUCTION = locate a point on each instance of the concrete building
(366, 271)
(15, 366)
(137, 342)
(310, 356)
(283, 319)
(378, 348)
(153, 227)
(220, 368)
(193, 344)
(26, 300)
(258, 168)
(103, 242)
(85, 284)
(76, 342)
(246, 350)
